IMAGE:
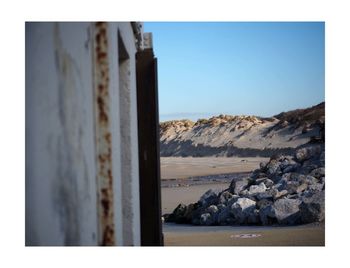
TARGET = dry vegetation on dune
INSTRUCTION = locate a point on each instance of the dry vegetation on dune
(227, 135)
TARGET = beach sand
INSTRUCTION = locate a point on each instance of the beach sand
(172, 196)
(183, 167)
(188, 235)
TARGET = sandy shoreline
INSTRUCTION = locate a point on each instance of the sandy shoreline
(186, 235)
(171, 197)
(184, 167)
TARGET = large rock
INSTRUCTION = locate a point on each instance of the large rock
(291, 168)
(178, 214)
(294, 187)
(214, 212)
(308, 166)
(280, 194)
(244, 193)
(206, 219)
(263, 203)
(253, 217)
(285, 161)
(310, 180)
(280, 185)
(268, 183)
(256, 189)
(263, 166)
(294, 183)
(198, 210)
(269, 194)
(313, 209)
(238, 186)
(288, 178)
(167, 217)
(258, 173)
(209, 198)
(297, 177)
(307, 152)
(273, 169)
(317, 187)
(224, 197)
(212, 209)
(287, 211)
(188, 213)
(242, 209)
(225, 216)
(232, 200)
(267, 215)
(289, 165)
(318, 172)
(221, 207)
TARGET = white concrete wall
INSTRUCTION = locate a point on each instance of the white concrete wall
(126, 204)
(61, 169)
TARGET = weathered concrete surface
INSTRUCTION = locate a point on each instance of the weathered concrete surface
(60, 164)
(65, 200)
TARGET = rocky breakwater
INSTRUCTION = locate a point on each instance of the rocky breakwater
(287, 190)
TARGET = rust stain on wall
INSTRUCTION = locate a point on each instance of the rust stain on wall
(103, 136)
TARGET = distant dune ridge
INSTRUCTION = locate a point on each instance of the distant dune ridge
(227, 135)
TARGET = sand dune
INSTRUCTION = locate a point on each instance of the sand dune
(228, 135)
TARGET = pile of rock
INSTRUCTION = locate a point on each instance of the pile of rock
(287, 190)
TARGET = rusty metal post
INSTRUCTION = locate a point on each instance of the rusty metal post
(103, 136)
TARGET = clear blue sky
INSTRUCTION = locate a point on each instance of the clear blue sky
(237, 68)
